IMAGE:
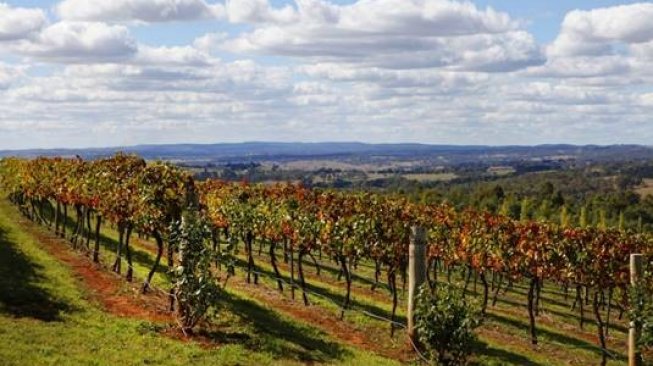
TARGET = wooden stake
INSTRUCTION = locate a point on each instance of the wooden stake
(416, 273)
(634, 333)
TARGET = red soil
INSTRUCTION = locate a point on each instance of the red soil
(114, 294)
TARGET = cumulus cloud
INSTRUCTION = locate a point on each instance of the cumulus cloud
(80, 42)
(594, 32)
(96, 42)
(9, 74)
(258, 11)
(390, 17)
(209, 41)
(19, 23)
(438, 81)
(583, 67)
(603, 42)
(642, 51)
(149, 11)
(177, 84)
(386, 33)
(110, 101)
(180, 55)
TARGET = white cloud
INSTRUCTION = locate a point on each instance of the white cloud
(180, 55)
(149, 11)
(596, 32)
(386, 33)
(110, 101)
(80, 42)
(72, 42)
(438, 81)
(209, 41)
(601, 42)
(19, 23)
(583, 67)
(258, 11)
(390, 17)
(9, 74)
(165, 82)
(642, 51)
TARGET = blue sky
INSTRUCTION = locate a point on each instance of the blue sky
(114, 72)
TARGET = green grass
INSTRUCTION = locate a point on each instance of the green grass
(46, 318)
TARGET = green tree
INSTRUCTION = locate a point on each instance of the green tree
(525, 212)
(445, 323)
(582, 221)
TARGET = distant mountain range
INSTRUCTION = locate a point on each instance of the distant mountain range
(254, 151)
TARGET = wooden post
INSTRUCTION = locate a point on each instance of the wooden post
(416, 273)
(634, 358)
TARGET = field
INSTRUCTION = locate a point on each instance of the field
(500, 170)
(646, 188)
(425, 177)
(312, 165)
(68, 310)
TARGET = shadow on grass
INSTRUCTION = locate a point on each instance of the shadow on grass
(334, 270)
(20, 293)
(550, 335)
(500, 355)
(569, 317)
(109, 244)
(273, 334)
(336, 298)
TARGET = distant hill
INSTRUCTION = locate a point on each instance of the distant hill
(254, 151)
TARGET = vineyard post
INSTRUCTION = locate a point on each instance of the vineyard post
(416, 273)
(634, 358)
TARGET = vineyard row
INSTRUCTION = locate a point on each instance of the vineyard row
(347, 227)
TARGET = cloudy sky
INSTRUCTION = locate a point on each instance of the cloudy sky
(78, 73)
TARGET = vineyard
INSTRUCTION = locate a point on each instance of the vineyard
(349, 233)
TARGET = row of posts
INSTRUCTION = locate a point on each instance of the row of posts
(417, 276)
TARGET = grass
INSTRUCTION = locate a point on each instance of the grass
(47, 318)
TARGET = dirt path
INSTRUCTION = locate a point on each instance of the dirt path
(112, 292)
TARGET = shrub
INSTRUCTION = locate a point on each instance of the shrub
(196, 288)
(641, 312)
(445, 324)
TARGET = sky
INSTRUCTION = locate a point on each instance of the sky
(81, 73)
